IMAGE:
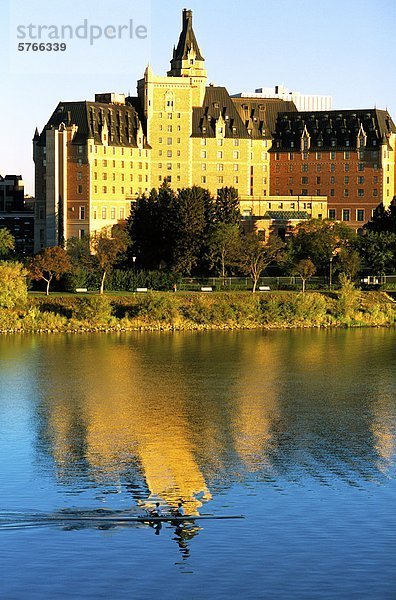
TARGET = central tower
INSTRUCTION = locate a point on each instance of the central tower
(187, 60)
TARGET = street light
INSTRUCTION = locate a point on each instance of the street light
(134, 274)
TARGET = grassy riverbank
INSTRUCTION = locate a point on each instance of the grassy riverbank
(199, 311)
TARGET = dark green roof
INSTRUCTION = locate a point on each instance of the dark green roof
(217, 102)
(259, 115)
(89, 117)
(332, 130)
(286, 215)
(187, 40)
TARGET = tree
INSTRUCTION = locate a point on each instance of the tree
(256, 256)
(107, 251)
(149, 227)
(7, 242)
(378, 251)
(384, 219)
(48, 264)
(223, 244)
(188, 223)
(320, 241)
(305, 269)
(226, 206)
(13, 288)
(349, 263)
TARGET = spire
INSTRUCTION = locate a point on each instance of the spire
(187, 39)
(36, 135)
(187, 60)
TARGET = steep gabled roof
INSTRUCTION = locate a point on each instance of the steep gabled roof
(187, 39)
(217, 104)
(336, 129)
(89, 117)
(259, 114)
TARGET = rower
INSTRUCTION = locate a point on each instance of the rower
(157, 510)
(179, 512)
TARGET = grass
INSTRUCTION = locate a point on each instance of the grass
(115, 311)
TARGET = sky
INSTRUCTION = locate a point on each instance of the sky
(343, 48)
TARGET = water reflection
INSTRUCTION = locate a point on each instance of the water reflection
(183, 416)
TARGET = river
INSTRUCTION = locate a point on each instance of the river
(295, 430)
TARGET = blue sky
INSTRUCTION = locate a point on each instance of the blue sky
(344, 48)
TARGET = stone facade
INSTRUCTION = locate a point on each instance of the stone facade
(93, 159)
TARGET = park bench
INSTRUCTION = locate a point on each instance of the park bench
(264, 288)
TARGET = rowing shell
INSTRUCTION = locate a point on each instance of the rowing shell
(139, 518)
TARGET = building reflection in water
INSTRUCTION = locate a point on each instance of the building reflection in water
(179, 416)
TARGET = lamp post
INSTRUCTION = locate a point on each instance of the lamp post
(134, 274)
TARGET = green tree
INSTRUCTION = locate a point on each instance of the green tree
(188, 225)
(320, 241)
(378, 251)
(107, 251)
(349, 262)
(223, 243)
(150, 228)
(13, 288)
(305, 269)
(226, 207)
(7, 242)
(256, 256)
(384, 219)
(48, 264)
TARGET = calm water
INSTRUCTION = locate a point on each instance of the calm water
(295, 430)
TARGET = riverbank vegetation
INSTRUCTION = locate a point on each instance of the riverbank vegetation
(171, 236)
(181, 311)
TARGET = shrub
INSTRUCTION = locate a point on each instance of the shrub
(95, 310)
(157, 307)
(13, 287)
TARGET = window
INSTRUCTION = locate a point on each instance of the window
(291, 155)
(81, 213)
(332, 167)
(361, 167)
(332, 179)
(79, 189)
(79, 176)
(304, 167)
(236, 167)
(332, 155)
(305, 155)
(236, 180)
(203, 153)
(360, 179)
(304, 180)
(332, 213)
(332, 192)
(318, 168)
(318, 156)
(375, 192)
(104, 176)
(112, 213)
(346, 167)
(318, 180)
(220, 166)
(235, 154)
(347, 154)
(104, 163)
(360, 214)
(346, 179)
(104, 189)
(203, 179)
(219, 154)
(122, 214)
(360, 192)
(104, 212)
(220, 179)
(346, 192)
(345, 214)
(304, 192)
